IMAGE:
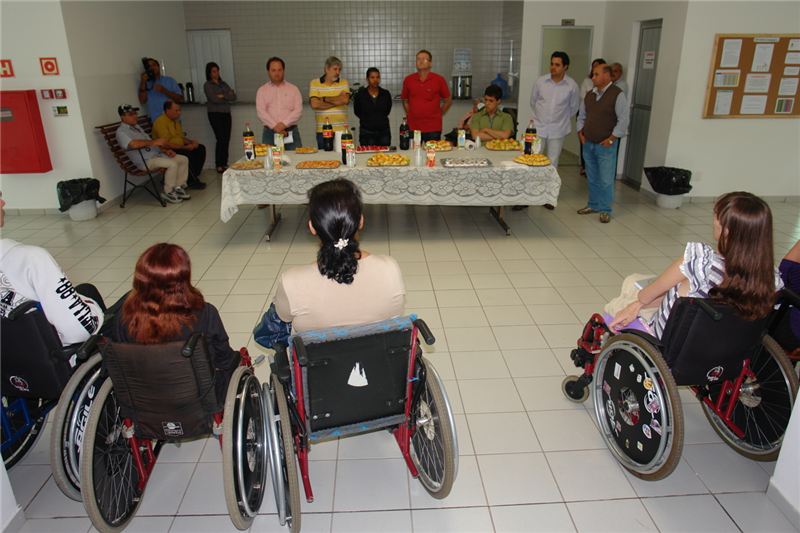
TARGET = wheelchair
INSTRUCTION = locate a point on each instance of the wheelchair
(168, 393)
(39, 375)
(743, 379)
(342, 381)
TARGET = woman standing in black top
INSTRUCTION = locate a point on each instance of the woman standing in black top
(372, 106)
(219, 95)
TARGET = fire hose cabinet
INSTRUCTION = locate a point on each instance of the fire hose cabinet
(23, 146)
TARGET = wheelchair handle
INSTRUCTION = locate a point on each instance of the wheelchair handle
(713, 313)
(300, 350)
(790, 297)
(21, 309)
(425, 331)
(88, 347)
(191, 342)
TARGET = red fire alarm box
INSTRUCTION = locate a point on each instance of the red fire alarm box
(23, 146)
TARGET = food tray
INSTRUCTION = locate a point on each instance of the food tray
(528, 160)
(309, 165)
(251, 165)
(391, 157)
(503, 149)
(374, 149)
(466, 162)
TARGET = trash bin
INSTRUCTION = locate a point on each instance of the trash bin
(670, 184)
(80, 197)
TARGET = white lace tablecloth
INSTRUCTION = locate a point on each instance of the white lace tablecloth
(503, 183)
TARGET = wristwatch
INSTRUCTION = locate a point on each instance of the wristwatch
(323, 99)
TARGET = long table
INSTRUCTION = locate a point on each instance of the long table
(503, 183)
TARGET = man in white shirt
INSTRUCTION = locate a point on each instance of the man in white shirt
(616, 77)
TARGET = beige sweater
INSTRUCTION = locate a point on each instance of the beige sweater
(310, 300)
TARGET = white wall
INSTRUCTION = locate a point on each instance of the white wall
(784, 487)
(106, 42)
(31, 30)
(757, 154)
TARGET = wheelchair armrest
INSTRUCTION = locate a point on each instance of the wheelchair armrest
(191, 342)
(279, 364)
(658, 343)
(425, 331)
(108, 323)
(21, 309)
(710, 311)
(300, 350)
(88, 347)
(788, 296)
(66, 352)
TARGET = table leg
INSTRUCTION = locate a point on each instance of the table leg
(274, 218)
(498, 216)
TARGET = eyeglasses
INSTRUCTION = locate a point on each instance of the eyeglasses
(424, 59)
(131, 113)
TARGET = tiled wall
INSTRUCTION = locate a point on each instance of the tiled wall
(385, 34)
(512, 31)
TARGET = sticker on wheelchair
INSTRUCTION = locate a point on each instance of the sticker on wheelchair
(610, 409)
(646, 431)
(651, 403)
(655, 426)
(638, 378)
(172, 429)
(617, 427)
(617, 370)
(606, 387)
(639, 446)
(19, 383)
(648, 383)
(714, 374)
(358, 377)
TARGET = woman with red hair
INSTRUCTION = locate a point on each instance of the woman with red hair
(740, 272)
(164, 306)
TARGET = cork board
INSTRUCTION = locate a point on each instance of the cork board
(754, 75)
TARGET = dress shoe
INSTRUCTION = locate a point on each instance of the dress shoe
(586, 211)
(549, 206)
(519, 207)
(263, 206)
(605, 218)
(199, 185)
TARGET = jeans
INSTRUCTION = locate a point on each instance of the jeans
(221, 124)
(552, 148)
(428, 136)
(374, 138)
(268, 137)
(601, 169)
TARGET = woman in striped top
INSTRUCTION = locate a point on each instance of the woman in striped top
(739, 273)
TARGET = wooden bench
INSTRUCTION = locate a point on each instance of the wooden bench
(109, 133)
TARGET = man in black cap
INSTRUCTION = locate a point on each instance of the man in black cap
(154, 154)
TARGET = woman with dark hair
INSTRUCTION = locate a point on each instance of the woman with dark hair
(345, 286)
(372, 106)
(219, 95)
(740, 273)
(164, 306)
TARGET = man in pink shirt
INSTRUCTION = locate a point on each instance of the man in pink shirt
(279, 106)
(426, 98)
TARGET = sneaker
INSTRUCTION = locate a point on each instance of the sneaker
(199, 185)
(180, 193)
(586, 211)
(171, 197)
(605, 218)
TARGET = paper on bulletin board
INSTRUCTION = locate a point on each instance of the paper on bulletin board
(794, 44)
(753, 105)
(757, 83)
(788, 87)
(792, 58)
(784, 105)
(726, 78)
(731, 50)
(791, 71)
(722, 105)
(762, 58)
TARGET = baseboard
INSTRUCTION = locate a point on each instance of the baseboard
(786, 507)
(16, 522)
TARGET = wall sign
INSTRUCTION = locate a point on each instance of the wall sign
(6, 69)
(49, 66)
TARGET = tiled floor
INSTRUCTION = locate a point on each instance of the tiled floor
(505, 310)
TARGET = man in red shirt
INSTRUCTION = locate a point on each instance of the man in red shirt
(426, 98)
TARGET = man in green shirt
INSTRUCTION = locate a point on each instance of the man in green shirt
(492, 123)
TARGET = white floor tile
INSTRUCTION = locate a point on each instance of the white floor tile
(390, 521)
(754, 512)
(723, 470)
(371, 484)
(467, 490)
(689, 513)
(613, 515)
(566, 430)
(589, 475)
(461, 520)
(508, 479)
(541, 518)
(496, 433)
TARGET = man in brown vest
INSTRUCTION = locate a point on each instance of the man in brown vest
(602, 120)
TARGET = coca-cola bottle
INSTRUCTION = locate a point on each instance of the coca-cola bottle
(249, 139)
(327, 136)
(530, 135)
(405, 135)
(347, 141)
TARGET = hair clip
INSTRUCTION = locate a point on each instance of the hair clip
(341, 244)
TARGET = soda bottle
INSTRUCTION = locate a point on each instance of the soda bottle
(249, 139)
(530, 135)
(327, 136)
(405, 135)
(347, 141)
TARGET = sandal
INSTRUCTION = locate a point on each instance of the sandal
(220, 170)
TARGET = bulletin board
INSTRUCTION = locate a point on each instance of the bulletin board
(754, 75)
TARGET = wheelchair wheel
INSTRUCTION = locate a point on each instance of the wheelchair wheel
(764, 405)
(109, 478)
(70, 425)
(434, 445)
(282, 460)
(568, 388)
(244, 459)
(637, 407)
(37, 411)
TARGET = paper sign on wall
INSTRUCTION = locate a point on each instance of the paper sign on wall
(649, 60)
(49, 66)
(6, 69)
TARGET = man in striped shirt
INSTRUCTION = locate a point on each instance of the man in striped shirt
(328, 97)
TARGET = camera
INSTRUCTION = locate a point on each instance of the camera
(151, 76)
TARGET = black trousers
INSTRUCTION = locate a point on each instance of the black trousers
(197, 158)
(221, 124)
